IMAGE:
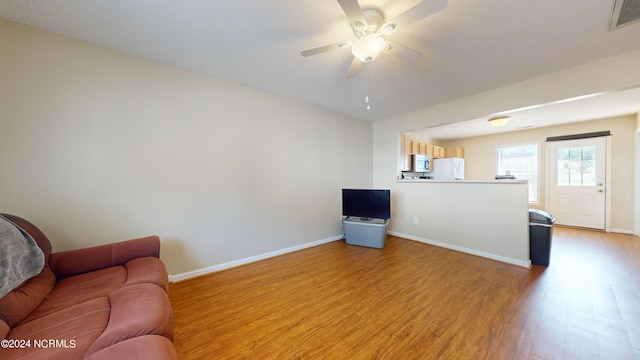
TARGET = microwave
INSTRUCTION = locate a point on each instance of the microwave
(420, 163)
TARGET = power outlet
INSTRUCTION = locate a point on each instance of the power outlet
(416, 220)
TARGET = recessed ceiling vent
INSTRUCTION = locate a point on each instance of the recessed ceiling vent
(624, 12)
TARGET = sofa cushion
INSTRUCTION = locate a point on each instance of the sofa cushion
(72, 329)
(141, 309)
(22, 301)
(4, 329)
(147, 347)
(147, 270)
(77, 289)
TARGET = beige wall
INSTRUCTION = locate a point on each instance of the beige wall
(422, 138)
(455, 215)
(97, 146)
(480, 155)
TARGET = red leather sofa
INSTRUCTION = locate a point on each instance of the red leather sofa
(103, 302)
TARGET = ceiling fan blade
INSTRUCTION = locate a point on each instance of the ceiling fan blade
(354, 12)
(402, 52)
(326, 48)
(354, 68)
(417, 12)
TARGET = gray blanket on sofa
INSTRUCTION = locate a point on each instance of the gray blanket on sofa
(20, 256)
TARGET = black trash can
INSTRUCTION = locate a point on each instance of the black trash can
(540, 232)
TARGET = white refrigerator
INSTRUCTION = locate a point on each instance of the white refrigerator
(448, 169)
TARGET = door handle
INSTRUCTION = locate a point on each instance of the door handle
(600, 190)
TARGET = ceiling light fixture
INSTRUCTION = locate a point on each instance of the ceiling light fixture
(368, 47)
(388, 29)
(499, 121)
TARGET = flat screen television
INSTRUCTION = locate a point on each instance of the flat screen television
(366, 204)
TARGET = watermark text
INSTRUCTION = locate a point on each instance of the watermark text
(38, 343)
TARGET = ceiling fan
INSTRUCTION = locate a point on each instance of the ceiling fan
(370, 27)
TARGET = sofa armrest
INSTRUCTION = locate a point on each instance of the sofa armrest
(74, 262)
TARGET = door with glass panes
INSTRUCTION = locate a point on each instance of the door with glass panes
(577, 171)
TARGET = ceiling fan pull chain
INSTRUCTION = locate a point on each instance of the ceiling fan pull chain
(367, 101)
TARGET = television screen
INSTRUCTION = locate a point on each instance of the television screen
(366, 204)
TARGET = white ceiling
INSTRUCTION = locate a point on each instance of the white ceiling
(467, 48)
(588, 107)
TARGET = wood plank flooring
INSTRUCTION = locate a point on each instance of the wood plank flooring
(415, 301)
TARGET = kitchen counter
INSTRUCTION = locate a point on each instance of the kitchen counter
(491, 181)
(487, 218)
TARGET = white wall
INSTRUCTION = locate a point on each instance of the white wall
(97, 146)
(636, 218)
(608, 74)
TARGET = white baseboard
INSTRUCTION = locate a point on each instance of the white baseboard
(525, 264)
(235, 263)
(621, 231)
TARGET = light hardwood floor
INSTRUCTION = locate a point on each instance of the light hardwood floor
(415, 301)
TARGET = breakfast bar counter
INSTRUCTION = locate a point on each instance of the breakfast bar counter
(488, 218)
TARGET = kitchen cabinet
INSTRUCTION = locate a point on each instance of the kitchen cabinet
(454, 152)
(406, 154)
(409, 147)
(429, 151)
(415, 147)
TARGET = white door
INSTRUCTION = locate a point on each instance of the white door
(577, 172)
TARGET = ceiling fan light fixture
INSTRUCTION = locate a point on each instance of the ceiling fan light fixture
(388, 29)
(368, 47)
(499, 121)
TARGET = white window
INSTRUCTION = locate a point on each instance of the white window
(577, 166)
(522, 162)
